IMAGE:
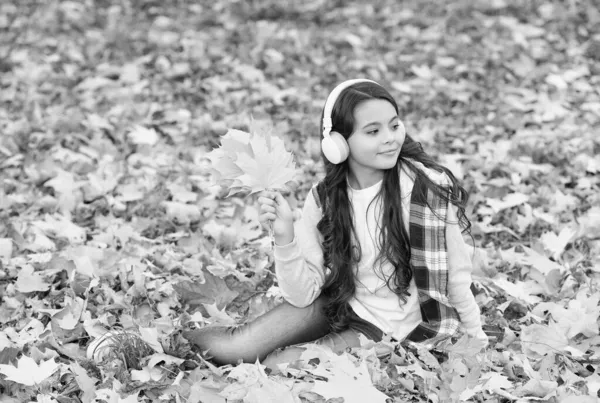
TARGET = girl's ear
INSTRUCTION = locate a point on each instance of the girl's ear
(335, 148)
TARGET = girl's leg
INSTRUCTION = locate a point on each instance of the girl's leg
(337, 342)
(283, 326)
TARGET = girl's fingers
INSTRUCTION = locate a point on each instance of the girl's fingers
(268, 209)
(266, 217)
(266, 200)
(279, 198)
(269, 194)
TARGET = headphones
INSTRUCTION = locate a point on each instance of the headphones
(334, 145)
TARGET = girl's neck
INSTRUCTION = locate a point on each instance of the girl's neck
(364, 179)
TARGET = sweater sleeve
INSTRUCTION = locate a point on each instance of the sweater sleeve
(459, 278)
(299, 264)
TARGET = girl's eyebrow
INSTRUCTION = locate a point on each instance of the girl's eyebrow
(377, 123)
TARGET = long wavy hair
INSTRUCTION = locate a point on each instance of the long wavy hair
(341, 250)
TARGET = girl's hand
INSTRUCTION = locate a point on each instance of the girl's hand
(275, 210)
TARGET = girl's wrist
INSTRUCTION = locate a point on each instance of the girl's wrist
(286, 237)
(283, 240)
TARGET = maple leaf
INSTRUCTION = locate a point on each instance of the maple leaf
(579, 317)
(223, 158)
(213, 290)
(257, 162)
(541, 340)
(269, 170)
(511, 200)
(61, 227)
(236, 140)
(86, 383)
(254, 386)
(150, 336)
(538, 388)
(223, 165)
(45, 399)
(200, 393)
(465, 346)
(218, 316)
(29, 281)
(557, 243)
(495, 381)
(351, 383)
(112, 396)
(27, 372)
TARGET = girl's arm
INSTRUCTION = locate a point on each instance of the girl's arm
(459, 278)
(299, 264)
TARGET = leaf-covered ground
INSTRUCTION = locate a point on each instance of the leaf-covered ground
(108, 219)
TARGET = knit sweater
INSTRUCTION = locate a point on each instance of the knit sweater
(300, 272)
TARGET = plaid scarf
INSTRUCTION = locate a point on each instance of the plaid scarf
(429, 260)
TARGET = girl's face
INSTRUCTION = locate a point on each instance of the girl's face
(376, 141)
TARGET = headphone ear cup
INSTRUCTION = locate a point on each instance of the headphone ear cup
(335, 148)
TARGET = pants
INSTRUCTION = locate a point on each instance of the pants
(283, 326)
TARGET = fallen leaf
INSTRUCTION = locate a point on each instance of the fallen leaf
(86, 383)
(27, 372)
(150, 336)
(6, 248)
(218, 316)
(495, 382)
(538, 388)
(112, 396)
(147, 374)
(182, 213)
(511, 200)
(45, 399)
(353, 384)
(142, 136)
(556, 243)
(254, 386)
(540, 340)
(213, 290)
(200, 394)
(30, 281)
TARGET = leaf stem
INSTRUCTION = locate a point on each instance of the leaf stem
(272, 235)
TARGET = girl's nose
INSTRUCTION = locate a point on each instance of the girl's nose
(389, 136)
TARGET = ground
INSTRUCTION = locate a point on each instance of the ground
(110, 219)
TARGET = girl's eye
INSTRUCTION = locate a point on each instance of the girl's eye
(373, 131)
(396, 126)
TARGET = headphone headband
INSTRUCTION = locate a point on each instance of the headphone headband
(333, 96)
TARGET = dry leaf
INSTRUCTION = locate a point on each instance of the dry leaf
(86, 383)
(213, 290)
(27, 372)
(30, 281)
(253, 162)
(540, 340)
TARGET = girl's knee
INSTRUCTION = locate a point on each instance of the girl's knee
(340, 342)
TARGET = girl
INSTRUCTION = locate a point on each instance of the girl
(378, 250)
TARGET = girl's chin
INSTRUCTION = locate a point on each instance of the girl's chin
(388, 158)
(387, 165)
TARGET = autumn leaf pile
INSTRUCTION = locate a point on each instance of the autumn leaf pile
(109, 219)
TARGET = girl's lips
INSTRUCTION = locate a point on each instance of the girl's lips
(389, 151)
